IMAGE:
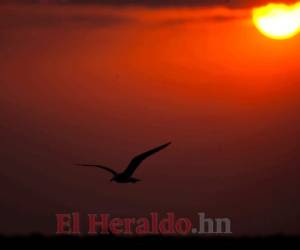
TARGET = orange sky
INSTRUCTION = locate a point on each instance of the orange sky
(95, 84)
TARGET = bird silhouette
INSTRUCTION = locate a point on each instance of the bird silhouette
(126, 175)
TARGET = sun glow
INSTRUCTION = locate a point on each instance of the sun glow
(278, 21)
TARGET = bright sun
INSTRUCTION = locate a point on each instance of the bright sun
(278, 21)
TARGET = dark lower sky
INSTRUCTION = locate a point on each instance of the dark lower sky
(100, 84)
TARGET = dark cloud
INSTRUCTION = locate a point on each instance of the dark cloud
(156, 3)
(160, 3)
(213, 18)
(57, 19)
(223, 18)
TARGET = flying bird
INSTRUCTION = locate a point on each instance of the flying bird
(126, 175)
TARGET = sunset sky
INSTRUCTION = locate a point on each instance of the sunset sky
(100, 83)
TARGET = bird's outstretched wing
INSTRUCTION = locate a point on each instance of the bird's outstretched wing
(136, 161)
(98, 166)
